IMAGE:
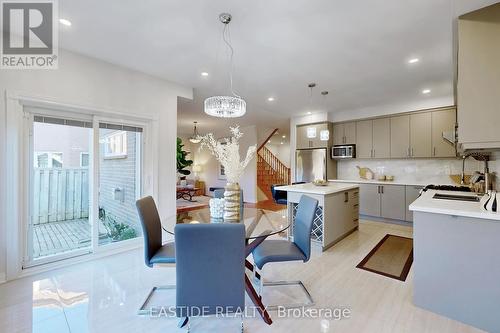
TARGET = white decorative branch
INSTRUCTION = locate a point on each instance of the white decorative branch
(228, 154)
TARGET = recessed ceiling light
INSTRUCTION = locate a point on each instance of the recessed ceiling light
(309, 112)
(204, 74)
(281, 143)
(270, 99)
(65, 22)
(426, 91)
(413, 60)
(284, 136)
(269, 141)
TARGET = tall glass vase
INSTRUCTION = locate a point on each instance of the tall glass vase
(232, 202)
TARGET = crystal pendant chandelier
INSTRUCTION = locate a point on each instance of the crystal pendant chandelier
(226, 106)
(195, 138)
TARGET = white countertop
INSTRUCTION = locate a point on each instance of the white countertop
(386, 182)
(321, 190)
(426, 203)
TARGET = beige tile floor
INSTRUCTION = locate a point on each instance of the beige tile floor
(104, 295)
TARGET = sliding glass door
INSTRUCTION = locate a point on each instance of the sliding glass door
(60, 224)
(85, 176)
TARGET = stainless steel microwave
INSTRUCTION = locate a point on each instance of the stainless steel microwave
(344, 151)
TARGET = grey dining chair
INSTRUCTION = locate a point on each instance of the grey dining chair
(219, 194)
(210, 270)
(277, 250)
(155, 253)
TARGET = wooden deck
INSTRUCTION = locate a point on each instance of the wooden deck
(62, 236)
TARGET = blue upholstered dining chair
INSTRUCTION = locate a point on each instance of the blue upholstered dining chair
(210, 269)
(279, 197)
(155, 253)
(219, 194)
(279, 250)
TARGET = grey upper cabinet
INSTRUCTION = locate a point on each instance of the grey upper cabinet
(392, 202)
(421, 134)
(338, 134)
(400, 136)
(304, 142)
(364, 139)
(369, 200)
(344, 133)
(411, 135)
(350, 133)
(443, 121)
(412, 193)
(478, 88)
(381, 138)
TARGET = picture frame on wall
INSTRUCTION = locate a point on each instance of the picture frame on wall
(221, 173)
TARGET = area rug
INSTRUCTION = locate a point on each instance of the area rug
(197, 203)
(391, 257)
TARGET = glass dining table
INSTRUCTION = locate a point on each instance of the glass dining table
(259, 224)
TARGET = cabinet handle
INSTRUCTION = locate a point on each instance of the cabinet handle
(378, 189)
(346, 197)
(411, 151)
(434, 152)
(374, 153)
(408, 152)
(382, 189)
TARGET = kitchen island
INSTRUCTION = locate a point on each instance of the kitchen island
(456, 270)
(337, 214)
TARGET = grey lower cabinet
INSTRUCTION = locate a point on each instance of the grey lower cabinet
(412, 193)
(387, 201)
(369, 200)
(392, 203)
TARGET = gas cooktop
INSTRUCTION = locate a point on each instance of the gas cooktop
(447, 188)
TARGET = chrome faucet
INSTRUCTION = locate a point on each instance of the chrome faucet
(462, 176)
(478, 157)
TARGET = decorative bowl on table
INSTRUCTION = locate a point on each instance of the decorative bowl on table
(320, 182)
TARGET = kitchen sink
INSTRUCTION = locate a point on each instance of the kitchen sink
(472, 198)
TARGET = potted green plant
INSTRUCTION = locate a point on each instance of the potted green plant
(182, 161)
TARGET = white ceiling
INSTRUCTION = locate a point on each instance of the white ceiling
(357, 50)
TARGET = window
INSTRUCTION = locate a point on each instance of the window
(48, 160)
(115, 145)
(84, 160)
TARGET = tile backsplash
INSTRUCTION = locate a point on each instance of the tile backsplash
(430, 171)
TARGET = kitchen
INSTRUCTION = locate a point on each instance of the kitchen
(414, 168)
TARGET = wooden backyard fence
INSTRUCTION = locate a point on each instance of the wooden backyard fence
(60, 194)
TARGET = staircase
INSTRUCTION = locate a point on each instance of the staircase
(270, 170)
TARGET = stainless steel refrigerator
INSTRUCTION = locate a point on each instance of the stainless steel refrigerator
(312, 164)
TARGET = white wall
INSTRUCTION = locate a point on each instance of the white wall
(91, 83)
(209, 165)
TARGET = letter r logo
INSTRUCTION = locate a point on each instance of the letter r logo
(27, 27)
